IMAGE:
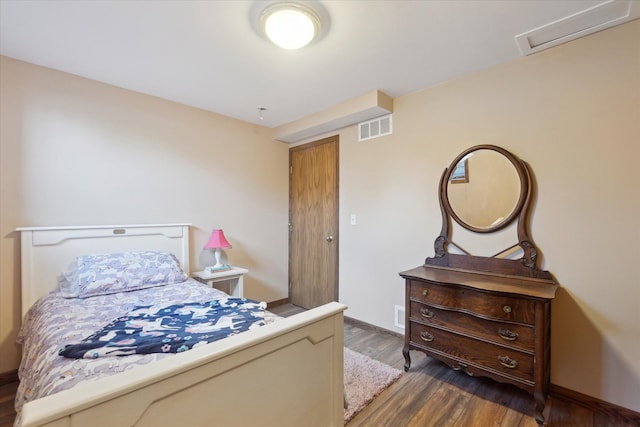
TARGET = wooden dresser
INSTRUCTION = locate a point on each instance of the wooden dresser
(483, 324)
(485, 316)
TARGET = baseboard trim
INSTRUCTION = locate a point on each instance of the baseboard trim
(277, 303)
(8, 377)
(360, 323)
(594, 404)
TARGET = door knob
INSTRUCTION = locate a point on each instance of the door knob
(329, 239)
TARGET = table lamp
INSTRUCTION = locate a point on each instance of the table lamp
(217, 241)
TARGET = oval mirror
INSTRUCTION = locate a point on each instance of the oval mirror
(485, 188)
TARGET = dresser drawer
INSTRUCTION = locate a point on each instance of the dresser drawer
(496, 358)
(483, 304)
(515, 335)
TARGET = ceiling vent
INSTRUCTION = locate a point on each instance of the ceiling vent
(374, 128)
(588, 21)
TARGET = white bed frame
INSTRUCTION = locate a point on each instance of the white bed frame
(288, 373)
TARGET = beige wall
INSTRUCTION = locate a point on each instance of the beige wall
(573, 113)
(77, 152)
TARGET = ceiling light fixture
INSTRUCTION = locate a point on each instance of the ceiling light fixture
(290, 25)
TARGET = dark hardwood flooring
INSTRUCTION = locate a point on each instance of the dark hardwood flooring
(430, 394)
(7, 395)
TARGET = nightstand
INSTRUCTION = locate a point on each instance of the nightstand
(228, 278)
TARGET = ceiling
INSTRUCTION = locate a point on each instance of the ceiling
(209, 54)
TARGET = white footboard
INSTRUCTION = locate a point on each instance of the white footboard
(289, 373)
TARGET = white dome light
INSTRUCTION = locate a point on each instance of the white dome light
(290, 25)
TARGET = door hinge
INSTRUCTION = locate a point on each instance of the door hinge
(290, 228)
(290, 169)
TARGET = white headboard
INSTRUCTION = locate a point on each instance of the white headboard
(47, 251)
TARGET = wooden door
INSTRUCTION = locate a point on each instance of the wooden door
(313, 223)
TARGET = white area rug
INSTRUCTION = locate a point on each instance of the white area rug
(364, 379)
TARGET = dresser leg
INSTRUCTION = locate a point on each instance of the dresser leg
(539, 408)
(407, 358)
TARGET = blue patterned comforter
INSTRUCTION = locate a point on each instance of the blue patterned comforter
(169, 329)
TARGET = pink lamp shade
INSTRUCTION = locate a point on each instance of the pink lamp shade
(217, 241)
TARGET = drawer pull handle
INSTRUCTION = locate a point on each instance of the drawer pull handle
(506, 309)
(507, 362)
(426, 313)
(426, 336)
(508, 335)
(425, 292)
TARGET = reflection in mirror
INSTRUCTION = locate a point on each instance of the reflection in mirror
(459, 173)
(484, 189)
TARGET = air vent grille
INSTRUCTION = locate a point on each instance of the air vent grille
(596, 18)
(399, 316)
(375, 128)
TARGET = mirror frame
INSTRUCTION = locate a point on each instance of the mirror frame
(524, 184)
(520, 211)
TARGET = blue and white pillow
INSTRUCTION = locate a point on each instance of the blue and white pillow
(103, 274)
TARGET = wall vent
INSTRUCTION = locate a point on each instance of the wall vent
(399, 317)
(374, 128)
(588, 21)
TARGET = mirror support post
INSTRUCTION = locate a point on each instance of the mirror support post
(440, 245)
(530, 255)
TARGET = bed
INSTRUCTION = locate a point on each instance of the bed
(287, 372)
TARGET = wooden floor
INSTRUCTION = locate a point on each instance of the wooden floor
(7, 395)
(430, 394)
